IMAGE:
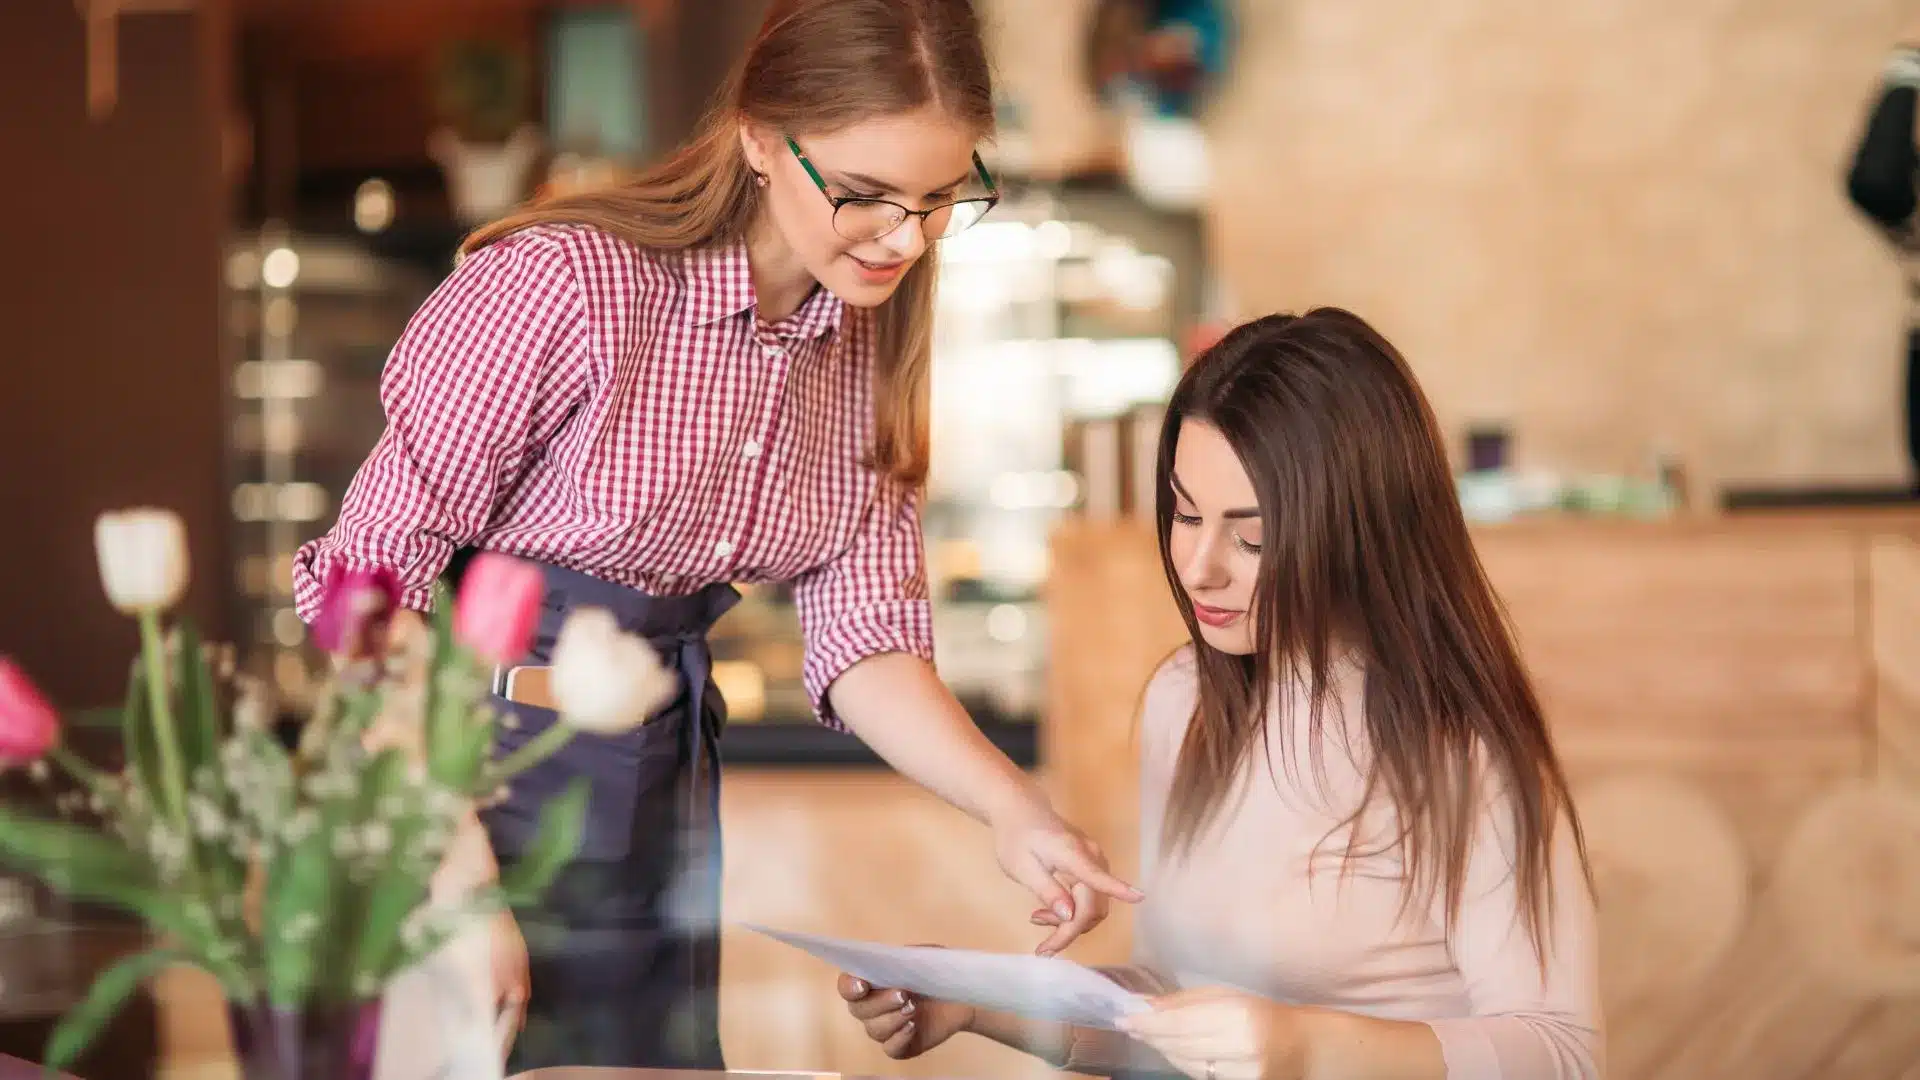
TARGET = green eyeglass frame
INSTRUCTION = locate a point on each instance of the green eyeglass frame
(860, 218)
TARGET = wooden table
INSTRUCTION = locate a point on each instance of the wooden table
(13, 1068)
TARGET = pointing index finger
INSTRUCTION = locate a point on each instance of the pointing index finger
(1086, 870)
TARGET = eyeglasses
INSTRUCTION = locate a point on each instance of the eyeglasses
(870, 219)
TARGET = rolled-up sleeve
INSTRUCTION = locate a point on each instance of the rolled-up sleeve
(1523, 1025)
(870, 599)
(484, 372)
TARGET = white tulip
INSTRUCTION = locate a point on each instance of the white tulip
(605, 681)
(143, 559)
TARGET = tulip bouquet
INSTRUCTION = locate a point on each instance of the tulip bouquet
(299, 870)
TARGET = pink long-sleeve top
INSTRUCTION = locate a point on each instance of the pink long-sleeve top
(1240, 909)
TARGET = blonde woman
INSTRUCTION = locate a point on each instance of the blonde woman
(716, 373)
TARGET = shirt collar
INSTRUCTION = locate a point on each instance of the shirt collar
(720, 286)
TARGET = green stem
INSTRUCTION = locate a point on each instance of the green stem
(94, 780)
(154, 652)
(318, 729)
(536, 750)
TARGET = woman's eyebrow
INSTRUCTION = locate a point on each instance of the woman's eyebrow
(862, 180)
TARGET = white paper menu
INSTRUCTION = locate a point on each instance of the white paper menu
(1041, 988)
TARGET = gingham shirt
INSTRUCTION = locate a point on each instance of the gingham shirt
(566, 397)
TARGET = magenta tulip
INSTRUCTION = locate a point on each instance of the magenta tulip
(356, 607)
(499, 608)
(29, 726)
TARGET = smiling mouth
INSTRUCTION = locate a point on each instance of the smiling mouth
(878, 268)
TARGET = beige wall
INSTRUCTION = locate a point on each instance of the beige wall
(1614, 222)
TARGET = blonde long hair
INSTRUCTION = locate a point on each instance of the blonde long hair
(815, 65)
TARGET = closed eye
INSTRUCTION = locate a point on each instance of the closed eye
(1185, 519)
(1243, 545)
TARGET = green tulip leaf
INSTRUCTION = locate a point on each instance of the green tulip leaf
(199, 715)
(138, 740)
(399, 887)
(563, 820)
(109, 994)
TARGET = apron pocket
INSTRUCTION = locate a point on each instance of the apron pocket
(618, 767)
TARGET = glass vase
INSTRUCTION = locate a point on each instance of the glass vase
(315, 1042)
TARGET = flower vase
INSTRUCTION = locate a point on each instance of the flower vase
(324, 1042)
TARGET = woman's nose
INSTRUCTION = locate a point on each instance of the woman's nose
(908, 239)
(1203, 568)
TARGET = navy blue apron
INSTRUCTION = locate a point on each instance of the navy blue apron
(625, 950)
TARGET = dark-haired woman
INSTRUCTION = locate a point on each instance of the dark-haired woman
(1361, 855)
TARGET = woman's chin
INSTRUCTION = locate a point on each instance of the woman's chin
(1233, 640)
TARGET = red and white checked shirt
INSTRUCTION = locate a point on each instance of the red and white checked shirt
(569, 398)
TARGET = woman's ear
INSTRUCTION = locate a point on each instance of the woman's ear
(756, 142)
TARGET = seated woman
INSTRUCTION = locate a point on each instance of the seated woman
(1360, 857)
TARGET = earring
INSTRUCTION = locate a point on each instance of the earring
(760, 179)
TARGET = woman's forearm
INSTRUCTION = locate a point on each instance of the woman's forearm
(1049, 1040)
(1090, 1051)
(1348, 1046)
(896, 704)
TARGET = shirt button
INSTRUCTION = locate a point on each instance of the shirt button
(723, 549)
(751, 450)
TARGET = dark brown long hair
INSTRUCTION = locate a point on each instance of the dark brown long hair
(1365, 554)
(815, 66)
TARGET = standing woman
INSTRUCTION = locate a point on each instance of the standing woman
(714, 373)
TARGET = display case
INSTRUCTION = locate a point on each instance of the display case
(312, 322)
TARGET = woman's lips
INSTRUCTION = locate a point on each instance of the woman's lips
(877, 273)
(1213, 616)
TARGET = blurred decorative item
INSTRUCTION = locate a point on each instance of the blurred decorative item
(1489, 447)
(488, 143)
(304, 876)
(596, 94)
(1167, 161)
(1154, 62)
(103, 45)
(373, 205)
(572, 173)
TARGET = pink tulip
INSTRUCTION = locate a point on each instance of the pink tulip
(356, 607)
(499, 608)
(29, 726)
